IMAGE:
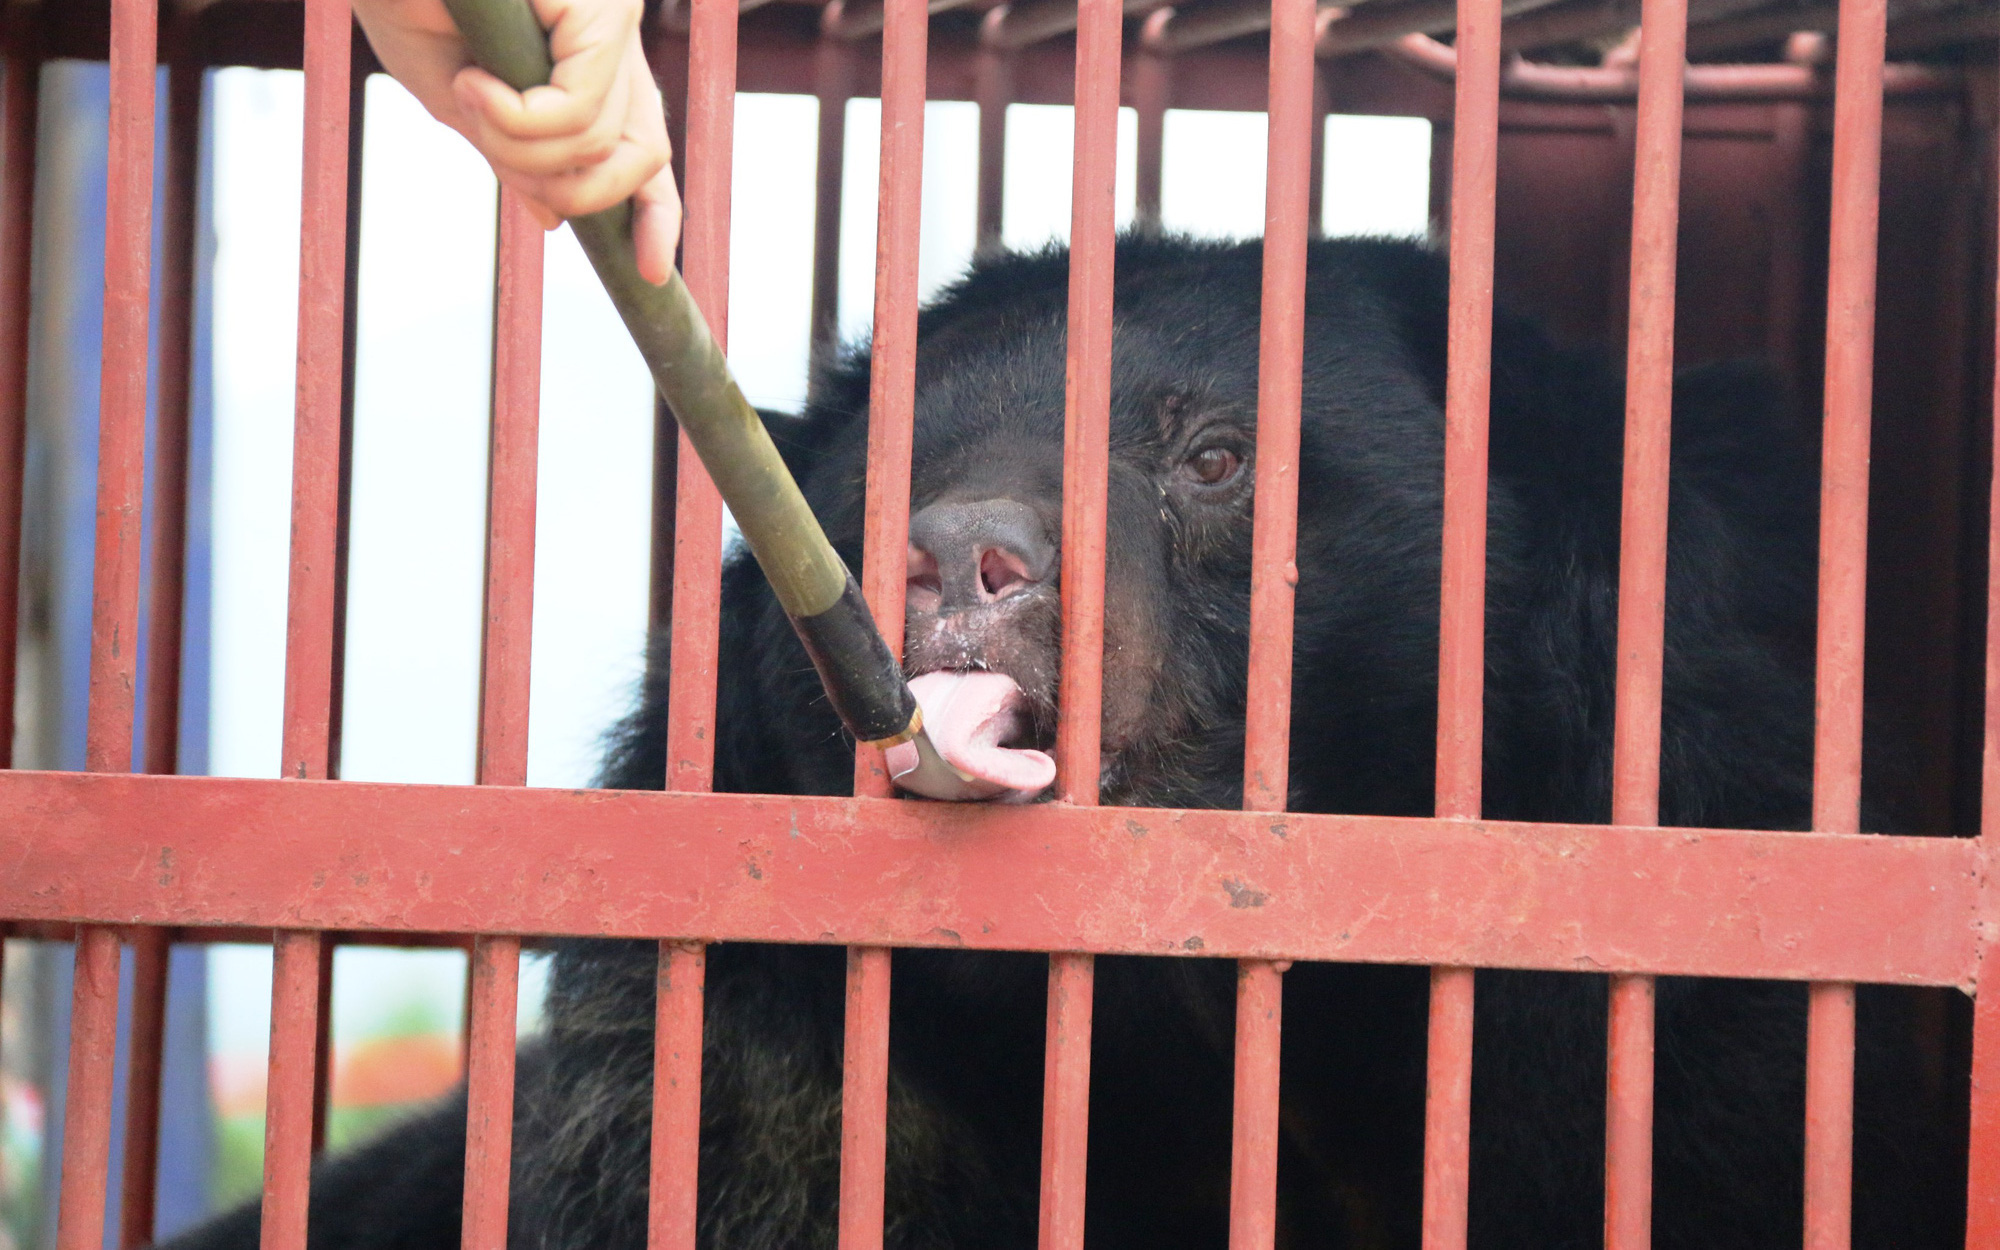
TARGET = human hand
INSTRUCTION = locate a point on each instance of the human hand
(595, 135)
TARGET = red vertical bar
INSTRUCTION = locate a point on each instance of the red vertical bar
(121, 421)
(1274, 576)
(1843, 561)
(494, 964)
(1273, 579)
(510, 500)
(161, 740)
(1829, 1116)
(299, 1084)
(892, 387)
(309, 627)
(891, 415)
(139, 1173)
(1850, 349)
(671, 1201)
(288, 1098)
(357, 110)
(1086, 469)
(489, 1116)
(1649, 397)
(1066, 1101)
(833, 77)
(493, 969)
(1086, 433)
(323, 1046)
(466, 992)
(1642, 571)
(1982, 1216)
(114, 631)
(667, 52)
(93, 1055)
(993, 88)
(19, 92)
(711, 114)
(1316, 179)
(1469, 354)
(1628, 1132)
(1448, 1109)
(1253, 1160)
(1152, 76)
(1462, 592)
(864, 1099)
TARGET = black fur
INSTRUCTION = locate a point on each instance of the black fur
(967, 1029)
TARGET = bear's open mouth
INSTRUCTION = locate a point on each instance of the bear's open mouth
(983, 725)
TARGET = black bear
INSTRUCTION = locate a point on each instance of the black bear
(967, 1029)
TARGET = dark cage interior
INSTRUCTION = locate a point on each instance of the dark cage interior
(1363, 795)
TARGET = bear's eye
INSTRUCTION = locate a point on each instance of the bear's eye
(1212, 466)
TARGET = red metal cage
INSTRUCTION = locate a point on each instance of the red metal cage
(145, 858)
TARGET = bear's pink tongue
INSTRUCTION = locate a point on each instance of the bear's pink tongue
(968, 715)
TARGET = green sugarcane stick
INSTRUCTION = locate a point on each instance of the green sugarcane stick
(815, 588)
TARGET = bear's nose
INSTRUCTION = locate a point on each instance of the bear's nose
(969, 554)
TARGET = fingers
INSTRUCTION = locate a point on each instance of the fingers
(492, 113)
(613, 180)
(577, 118)
(592, 42)
(656, 226)
(595, 136)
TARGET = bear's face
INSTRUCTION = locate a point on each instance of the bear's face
(985, 564)
(985, 559)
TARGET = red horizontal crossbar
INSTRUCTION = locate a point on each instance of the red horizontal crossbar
(189, 851)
